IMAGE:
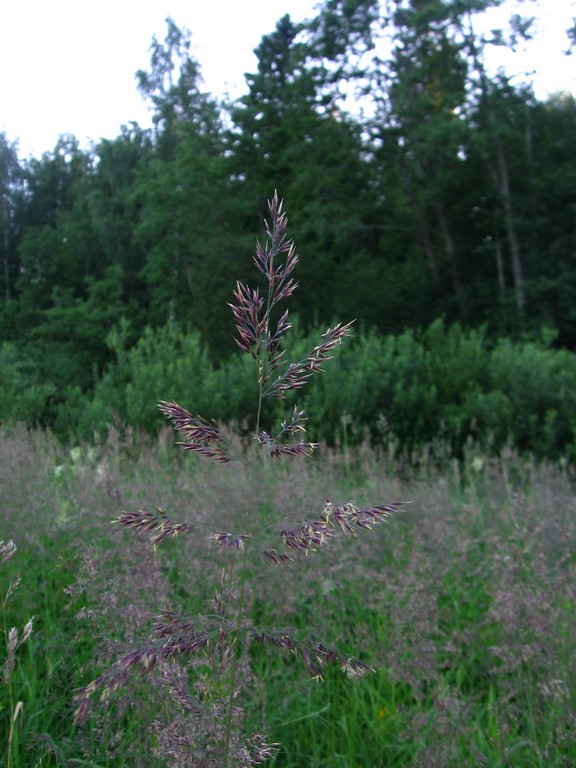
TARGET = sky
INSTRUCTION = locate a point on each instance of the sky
(68, 66)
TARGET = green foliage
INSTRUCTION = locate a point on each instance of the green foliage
(24, 395)
(539, 387)
(170, 362)
(452, 197)
(164, 363)
(445, 385)
(452, 385)
(290, 134)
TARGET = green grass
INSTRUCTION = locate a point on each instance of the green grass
(464, 605)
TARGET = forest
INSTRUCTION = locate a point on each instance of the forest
(430, 200)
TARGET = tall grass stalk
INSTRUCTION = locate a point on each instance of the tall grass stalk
(13, 640)
(221, 638)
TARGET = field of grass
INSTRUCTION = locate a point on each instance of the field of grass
(464, 605)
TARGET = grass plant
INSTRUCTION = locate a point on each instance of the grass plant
(469, 619)
(215, 645)
(14, 638)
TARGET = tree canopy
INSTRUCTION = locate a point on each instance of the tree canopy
(419, 187)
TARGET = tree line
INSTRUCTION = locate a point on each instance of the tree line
(418, 186)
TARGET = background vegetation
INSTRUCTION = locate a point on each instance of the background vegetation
(430, 200)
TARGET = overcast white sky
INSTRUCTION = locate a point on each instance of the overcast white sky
(68, 66)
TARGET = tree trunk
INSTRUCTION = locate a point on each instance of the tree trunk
(503, 184)
(499, 265)
(425, 234)
(6, 248)
(451, 254)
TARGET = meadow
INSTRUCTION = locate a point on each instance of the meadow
(463, 604)
(262, 598)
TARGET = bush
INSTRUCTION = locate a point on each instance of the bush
(22, 397)
(450, 384)
(443, 384)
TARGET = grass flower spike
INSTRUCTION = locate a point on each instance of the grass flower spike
(211, 650)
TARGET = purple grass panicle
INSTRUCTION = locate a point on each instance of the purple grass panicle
(203, 662)
(157, 525)
(199, 434)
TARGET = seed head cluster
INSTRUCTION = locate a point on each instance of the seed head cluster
(218, 641)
